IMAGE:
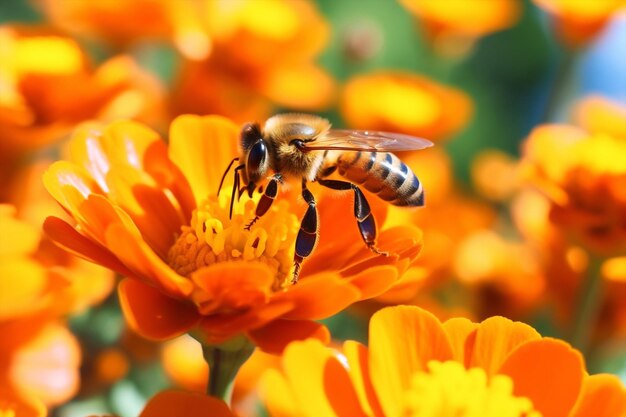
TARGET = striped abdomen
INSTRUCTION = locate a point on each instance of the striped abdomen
(384, 174)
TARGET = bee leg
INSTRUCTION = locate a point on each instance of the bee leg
(271, 191)
(362, 212)
(307, 236)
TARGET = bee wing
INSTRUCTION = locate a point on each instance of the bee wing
(366, 140)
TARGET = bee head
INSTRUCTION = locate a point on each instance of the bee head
(255, 153)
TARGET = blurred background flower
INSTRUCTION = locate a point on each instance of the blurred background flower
(524, 216)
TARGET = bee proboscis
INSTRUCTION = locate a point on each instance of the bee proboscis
(304, 146)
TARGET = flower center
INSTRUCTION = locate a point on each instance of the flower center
(450, 390)
(213, 237)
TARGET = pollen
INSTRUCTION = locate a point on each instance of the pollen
(450, 390)
(213, 237)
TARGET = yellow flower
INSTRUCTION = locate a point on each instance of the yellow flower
(404, 102)
(579, 21)
(417, 366)
(453, 26)
(152, 213)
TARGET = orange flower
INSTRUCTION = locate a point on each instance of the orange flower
(49, 86)
(453, 26)
(151, 213)
(40, 357)
(582, 174)
(495, 175)
(449, 217)
(417, 366)
(504, 277)
(578, 21)
(406, 103)
(235, 80)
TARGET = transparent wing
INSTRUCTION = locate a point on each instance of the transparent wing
(366, 140)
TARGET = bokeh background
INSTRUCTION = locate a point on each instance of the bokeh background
(477, 78)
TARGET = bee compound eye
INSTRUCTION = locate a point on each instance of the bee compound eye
(257, 158)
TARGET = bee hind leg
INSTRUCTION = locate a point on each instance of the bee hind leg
(362, 212)
(308, 234)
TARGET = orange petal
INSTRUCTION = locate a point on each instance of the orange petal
(144, 263)
(150, 207)
(299, 87)
(152, 314)
(320, 383)
(547, 371)
(189, 404)
(603, 395)
(358, 367)
(276, 335)
(374, 281)
(98, 149)
(402, 340)
(70, 185)
(69, 239)
(458, 330)
(232, 286)
(318, 297)
(202, 147)
(496, 338)
(218, 328)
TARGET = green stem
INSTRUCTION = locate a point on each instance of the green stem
(224, 362)
(587, 307)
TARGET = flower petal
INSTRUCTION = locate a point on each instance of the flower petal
(402, 340)
(202, 147)
(152, 314)
(276, 335)
(459, 330)
(277, 394)
(358, 367)
(318, 297)
(69, 239)
(374, 281)
(232, 286)
(533, 366)
(495, 339)
(218, 328)
(144, 263)
(189, 404)
(319, 381)
(156, 214)
(603, 395)
(98, 149)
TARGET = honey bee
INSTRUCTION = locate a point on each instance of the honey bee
(304, 146)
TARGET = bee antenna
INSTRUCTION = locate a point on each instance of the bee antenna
(224, 175)
(235, 188)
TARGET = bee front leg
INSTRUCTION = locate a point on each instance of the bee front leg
(270, 193)
(308, 234)
(362, 212)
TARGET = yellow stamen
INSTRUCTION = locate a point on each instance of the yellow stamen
(212, 237)
(450, 390)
